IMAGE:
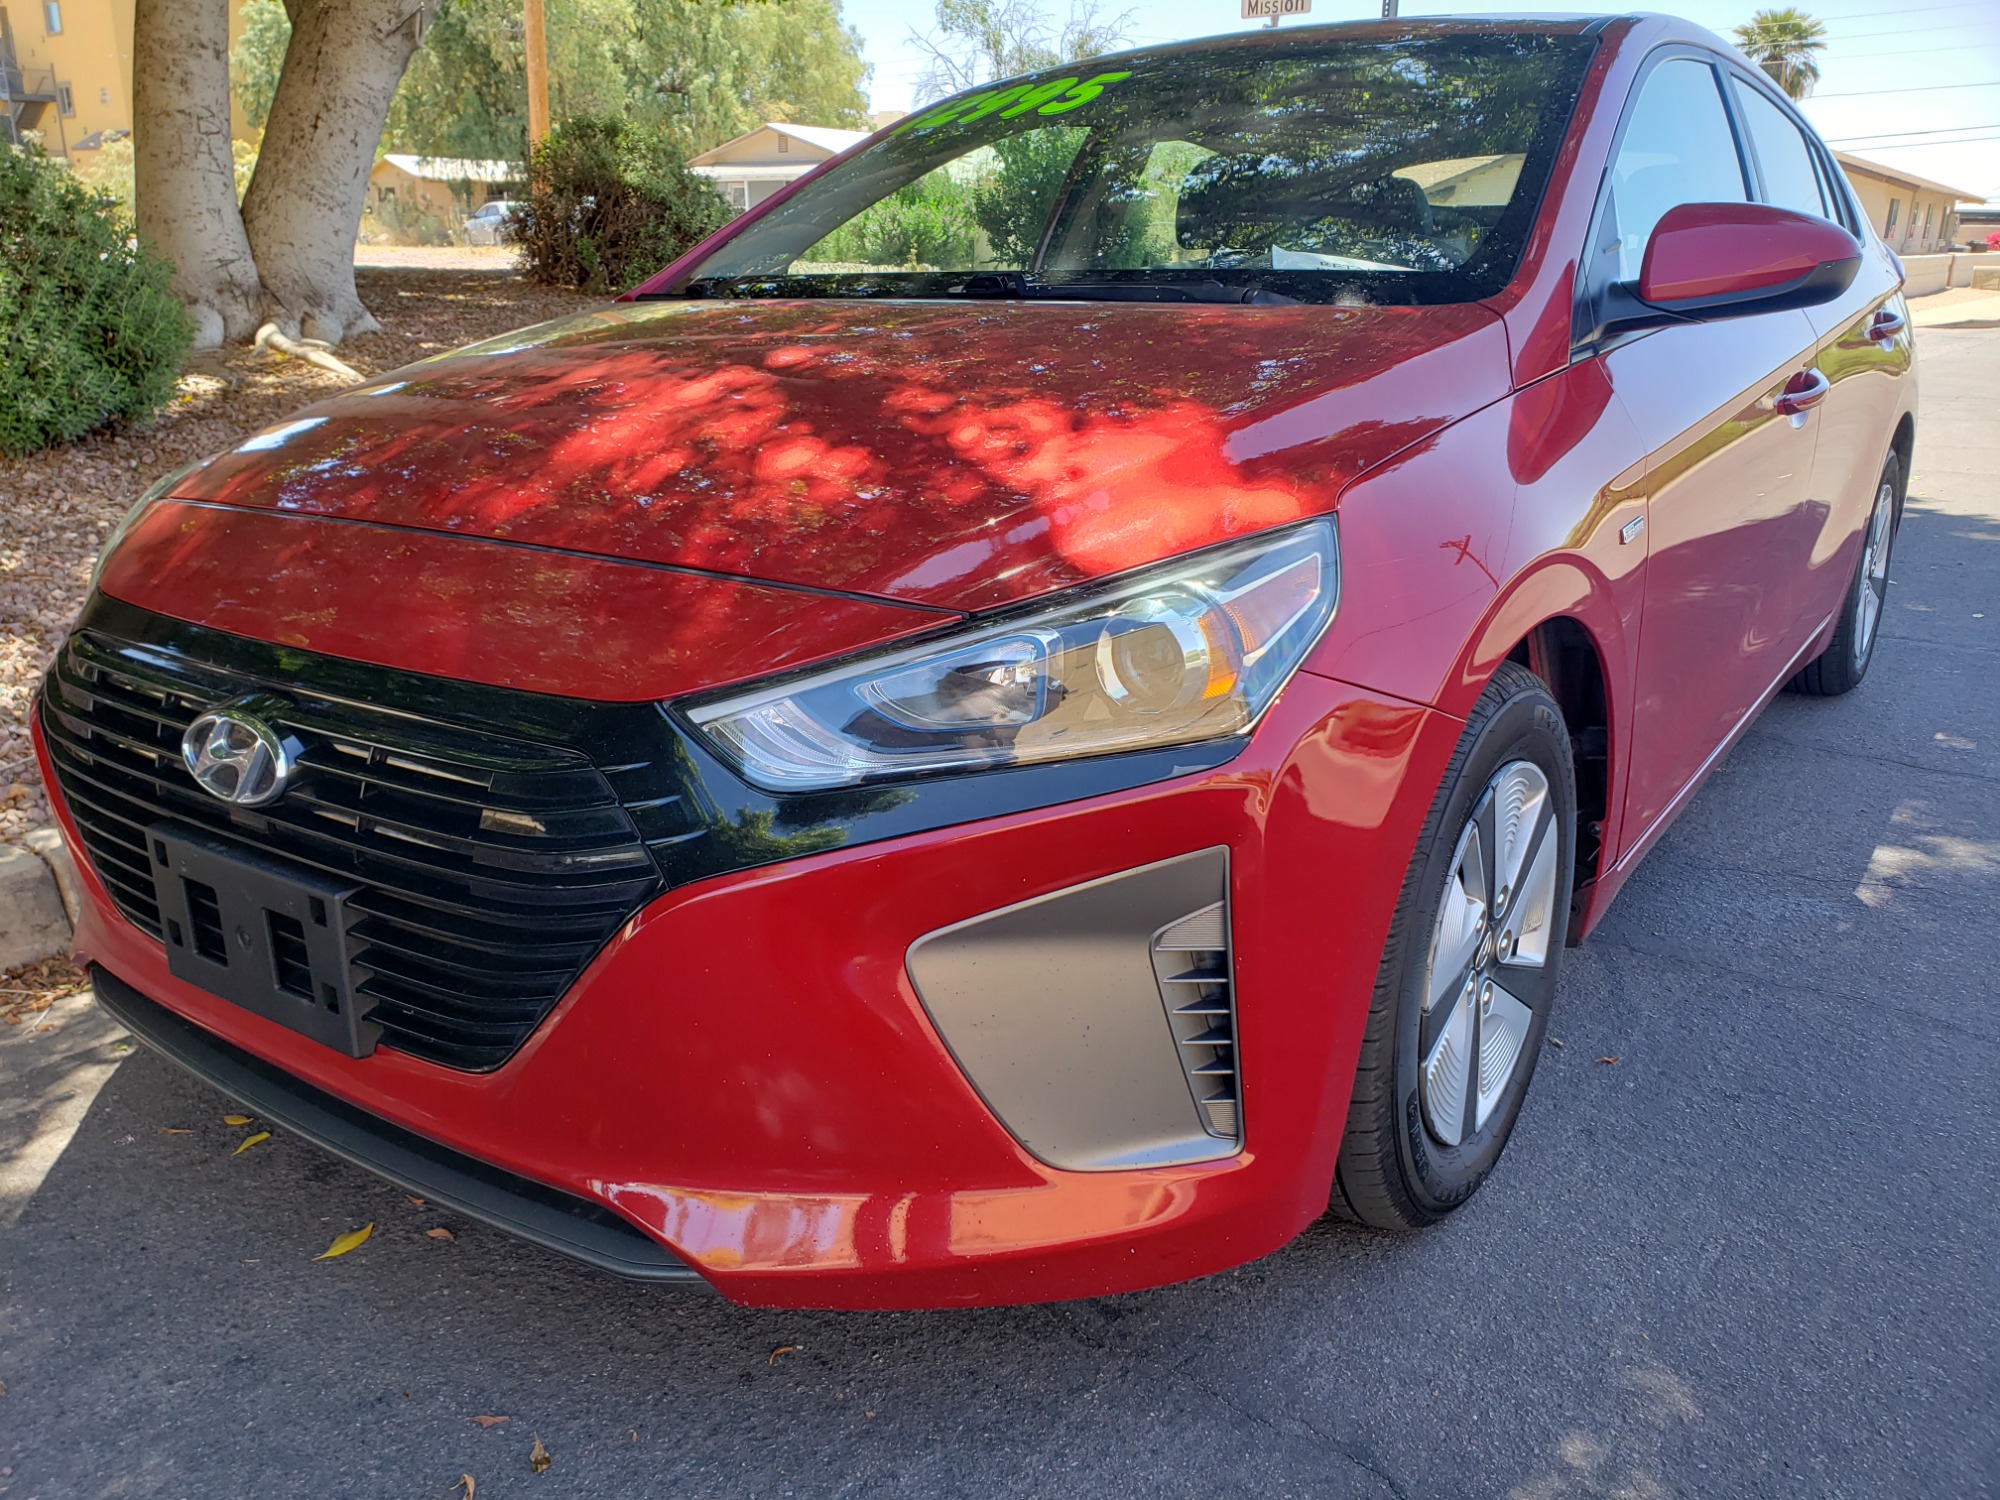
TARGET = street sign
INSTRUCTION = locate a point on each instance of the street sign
(1259, 10)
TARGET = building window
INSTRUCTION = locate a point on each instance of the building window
(738, 194)
(104, 96)
(65, 101)
(1890, 227)
(784, 144)
(1925, 232)
(52, 17)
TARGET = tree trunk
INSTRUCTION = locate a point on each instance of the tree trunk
(304, 205)
(185, 180)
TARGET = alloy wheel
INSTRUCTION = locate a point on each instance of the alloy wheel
(1494, 925)
(1872, 586)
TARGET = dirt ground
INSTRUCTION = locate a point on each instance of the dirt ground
(57, 507)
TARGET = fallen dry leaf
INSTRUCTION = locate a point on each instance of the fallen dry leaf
(539, 1458)
(439, 1234)
(251, 1140)
(782, 1349)
(29, 990)
(491, 1421)
(1607, 1059)
(236, 1119)
(413, 1202)
(342, 1243)
(172, 1130)
(467, 1483)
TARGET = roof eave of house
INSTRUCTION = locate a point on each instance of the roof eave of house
(1882, 173)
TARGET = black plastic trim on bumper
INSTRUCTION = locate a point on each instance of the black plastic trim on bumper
(542, 1215)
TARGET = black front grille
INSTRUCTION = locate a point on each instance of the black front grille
(492, 868)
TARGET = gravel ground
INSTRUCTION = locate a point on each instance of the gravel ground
(56, 507)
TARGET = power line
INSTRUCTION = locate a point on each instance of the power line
(1971, 140)
(1862, 36)
(1958, 47)
(1915, 88)
(1890, 135)
(1908, 10)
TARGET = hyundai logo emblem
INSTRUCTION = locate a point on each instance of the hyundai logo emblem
(235, 756)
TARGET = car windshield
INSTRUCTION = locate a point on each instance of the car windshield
(1404, 170)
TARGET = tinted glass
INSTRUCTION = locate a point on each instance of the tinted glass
(1678, 149)
(1403, 171)
(1782, 153)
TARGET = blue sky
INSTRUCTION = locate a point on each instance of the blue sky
(1889, 71)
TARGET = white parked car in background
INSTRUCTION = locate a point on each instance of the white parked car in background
(486, 225)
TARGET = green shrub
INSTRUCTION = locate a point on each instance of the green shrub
(608, 205)
(410, 223)
(926, 223)
(89, 329)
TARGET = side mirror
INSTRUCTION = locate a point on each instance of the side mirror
(1729, 260)
(1726, 259)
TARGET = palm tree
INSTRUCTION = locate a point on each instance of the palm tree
(1786, 44)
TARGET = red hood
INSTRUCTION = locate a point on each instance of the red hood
(959, 455)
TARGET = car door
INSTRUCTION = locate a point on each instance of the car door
(1723, 408)
(1863, 339)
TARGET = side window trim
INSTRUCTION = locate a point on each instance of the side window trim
(1746, 140)
(1832, 183)
(1583, 292)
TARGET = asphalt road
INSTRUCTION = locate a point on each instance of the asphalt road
(1754, 1256)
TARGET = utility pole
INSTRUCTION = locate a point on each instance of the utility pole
(536, 36)
(1388, 10)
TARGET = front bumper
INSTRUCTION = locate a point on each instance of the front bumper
(747, 1075)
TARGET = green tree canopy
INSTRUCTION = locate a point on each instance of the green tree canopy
(707, 71)
(258, 57)
(1786, 44)
(977, 41)
(700, 71)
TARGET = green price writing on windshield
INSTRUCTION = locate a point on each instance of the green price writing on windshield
(1057, 97)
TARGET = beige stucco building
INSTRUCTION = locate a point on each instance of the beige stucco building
(446, 187)
(1913, 215)
(66, 72)
(750, 168)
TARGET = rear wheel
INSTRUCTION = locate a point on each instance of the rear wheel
(1469, 971)
(1840, 668)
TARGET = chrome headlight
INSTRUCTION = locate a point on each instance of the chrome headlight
(1195, 650)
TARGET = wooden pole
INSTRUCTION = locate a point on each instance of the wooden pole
(538, 72)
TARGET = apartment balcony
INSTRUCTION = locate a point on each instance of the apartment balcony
(28, 100)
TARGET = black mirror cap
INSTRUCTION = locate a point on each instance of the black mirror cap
(1619, 309)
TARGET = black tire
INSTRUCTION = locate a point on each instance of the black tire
(1394, 1171)
(1840, 668)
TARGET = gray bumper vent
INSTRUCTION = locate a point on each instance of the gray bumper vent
(1191, 959)
(1052, 1009)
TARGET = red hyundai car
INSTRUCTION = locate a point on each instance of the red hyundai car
(1038, 709)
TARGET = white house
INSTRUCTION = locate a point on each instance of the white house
(752, 167)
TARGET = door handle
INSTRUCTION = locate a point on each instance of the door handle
(1803, 392)
(1888, 323)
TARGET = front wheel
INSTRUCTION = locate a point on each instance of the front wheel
(1840, 668)
(1468, 973)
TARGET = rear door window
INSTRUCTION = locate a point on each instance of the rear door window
(1783, 158)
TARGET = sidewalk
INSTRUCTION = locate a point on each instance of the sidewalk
(1961, 307)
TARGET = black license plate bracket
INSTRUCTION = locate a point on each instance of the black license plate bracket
(260, 933)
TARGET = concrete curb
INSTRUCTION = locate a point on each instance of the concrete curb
(38, 898)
